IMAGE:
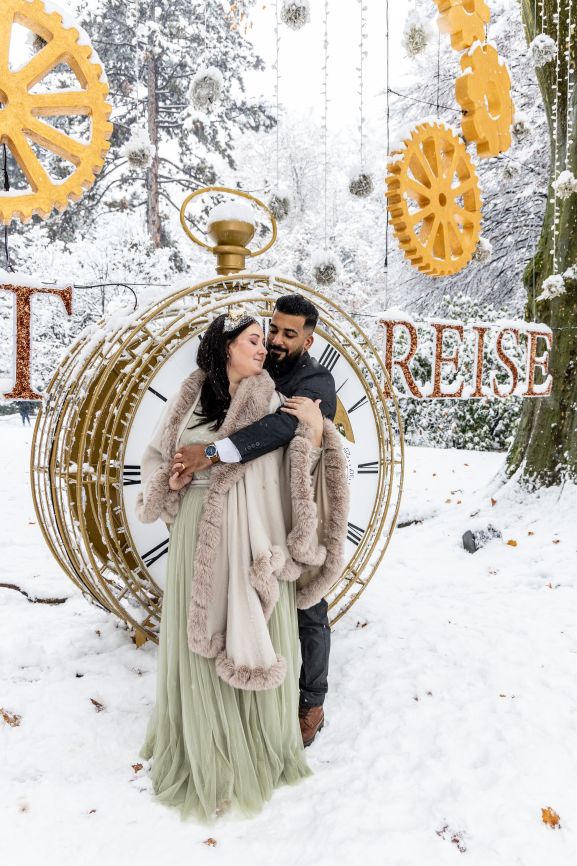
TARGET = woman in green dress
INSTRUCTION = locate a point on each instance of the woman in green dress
(224, 732)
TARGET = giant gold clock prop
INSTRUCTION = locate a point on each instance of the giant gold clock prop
(104, 401)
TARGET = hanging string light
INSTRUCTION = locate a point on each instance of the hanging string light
(361, 183)
(207, 84)
(279, 200)
(325, 266)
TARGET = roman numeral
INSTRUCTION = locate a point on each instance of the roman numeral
(150, 557)
(358, 404)
(329, 358)
(157, 394)
(130, 475)
(371, 468)
(354, 533)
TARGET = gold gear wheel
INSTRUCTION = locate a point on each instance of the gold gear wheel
(21, 116)
(464, 21)
(484, 94)
(434, 200)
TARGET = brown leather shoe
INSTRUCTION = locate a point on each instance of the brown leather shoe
(311, 720)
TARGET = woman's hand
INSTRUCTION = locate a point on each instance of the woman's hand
(307, 411)
(179, 479)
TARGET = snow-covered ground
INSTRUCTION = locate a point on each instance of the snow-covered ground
(452, 715)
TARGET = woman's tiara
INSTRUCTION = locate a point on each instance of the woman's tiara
(235, 318)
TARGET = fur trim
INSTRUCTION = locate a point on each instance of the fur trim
(255, 679)
(250, 402)
(302, 541)
(158, 500)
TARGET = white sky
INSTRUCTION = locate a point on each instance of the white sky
(301, 57)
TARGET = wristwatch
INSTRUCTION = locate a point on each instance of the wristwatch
(212, 453)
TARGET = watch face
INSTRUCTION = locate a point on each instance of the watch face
(210, 451)
(106, 400)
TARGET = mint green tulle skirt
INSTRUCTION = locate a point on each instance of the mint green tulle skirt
(215, 748)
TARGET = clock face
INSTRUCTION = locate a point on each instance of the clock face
(355, 420)
(106, 399)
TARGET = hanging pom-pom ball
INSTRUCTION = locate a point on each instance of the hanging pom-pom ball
(566, 184)
(325, 268)
(483, 251)
(279, 204)
(35, 41)
(521, 127)
(138, 150)
(543, 49)
(511, 169)
(295, 13)
(206, 88)
(417, 34)
(361, 185)
(553, 286)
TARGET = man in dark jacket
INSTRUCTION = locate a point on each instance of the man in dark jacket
(295, 374)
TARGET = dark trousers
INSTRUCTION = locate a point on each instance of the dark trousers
(315, 637)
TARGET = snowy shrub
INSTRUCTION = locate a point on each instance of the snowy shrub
(295, 13)
(139, 150)
(566, 184)
(206, 88)
(543, 49)
(361, 185)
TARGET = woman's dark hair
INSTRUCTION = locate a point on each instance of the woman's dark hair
(212, 358)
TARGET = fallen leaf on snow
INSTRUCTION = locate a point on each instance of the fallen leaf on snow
(512, 542)
(530, 533)
(550, 817)
(137, 767)
(361, 624)
(210, 842)
(493, 501)
(556, 540)
(12, 719)
(97, 705)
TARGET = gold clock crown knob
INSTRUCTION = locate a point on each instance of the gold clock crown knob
(231, 226)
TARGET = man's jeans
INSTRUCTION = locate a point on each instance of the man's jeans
(315, 637)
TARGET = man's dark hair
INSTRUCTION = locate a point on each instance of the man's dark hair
(296, 305)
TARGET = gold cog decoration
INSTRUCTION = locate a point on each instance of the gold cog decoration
(484, 94)
(464, 21)
(25, 105)
(434, 200)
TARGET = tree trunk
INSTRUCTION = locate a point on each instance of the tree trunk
(545, 445)
(152, 187)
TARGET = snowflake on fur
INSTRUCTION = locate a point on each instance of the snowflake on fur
(566, 184)
(483, 251)
(543, 49)
(416, 34)
(295, 13)
(206, 88)
(553, 287)
(361, 185)
(279, 204)
(325, 268)
(521, 127)
(139, 150)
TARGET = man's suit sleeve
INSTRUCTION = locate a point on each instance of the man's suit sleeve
(277, 429)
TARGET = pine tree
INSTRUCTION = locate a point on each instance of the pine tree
(151, 52)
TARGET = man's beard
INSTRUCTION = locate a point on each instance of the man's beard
(282, 363)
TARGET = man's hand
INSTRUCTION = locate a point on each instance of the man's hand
(190, 459)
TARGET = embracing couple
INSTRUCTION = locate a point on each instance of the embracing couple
(248, 471)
